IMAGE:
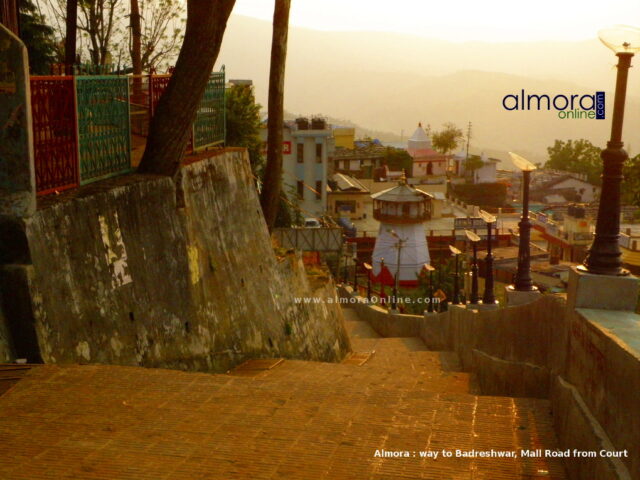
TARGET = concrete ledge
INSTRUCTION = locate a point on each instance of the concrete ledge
(605, 292)
(516, 297)
(487, 306)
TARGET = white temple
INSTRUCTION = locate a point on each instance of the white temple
(403, 211)
(426, 161)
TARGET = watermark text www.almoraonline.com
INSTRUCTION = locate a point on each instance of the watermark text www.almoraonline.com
(373, 301)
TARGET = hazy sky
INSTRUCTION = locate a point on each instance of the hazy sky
(458, 20)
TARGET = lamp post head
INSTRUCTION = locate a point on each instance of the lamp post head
(428, 267)
(367, 266)
(621, 38)
(454, 250)
(522, 163)
(471, 236)
(487, 217)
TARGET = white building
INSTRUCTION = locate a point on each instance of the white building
(426, 161)
(488, 172)
(565, 188)
(305, 156)
(401, 246)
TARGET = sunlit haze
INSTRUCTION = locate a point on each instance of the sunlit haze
(464, 20)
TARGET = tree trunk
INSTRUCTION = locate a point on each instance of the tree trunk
(136, 38)
(136, 53)
(70, 36)
(171, 125)
(273, 172)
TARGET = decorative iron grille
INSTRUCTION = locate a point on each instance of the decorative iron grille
(209, 125)
(158, 84)
(55, 135)
(103, 126)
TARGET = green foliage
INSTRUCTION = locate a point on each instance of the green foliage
(483, 194)
(243, 124)
(38, 38)
(473, 163)
(578, 156)
(631, 182)
(446, 140)
(398, 159)
(288, 212)
(443, 279)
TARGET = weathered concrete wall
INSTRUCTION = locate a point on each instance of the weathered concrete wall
(162, 274)
(586, 361)
(6, 350)
(603, 365)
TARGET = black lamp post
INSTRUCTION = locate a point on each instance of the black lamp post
(381, 283)
(474, 239)
(488, 298)
(523, 281)
(430, 269)
(368, 269)
(604, 254)
(396, 282)
(456, 276)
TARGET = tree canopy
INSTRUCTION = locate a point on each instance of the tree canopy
(631, 182)
(243, 124)
(398, 159)
(39, 39)
(578, 156)
(446, 140)
(473, 163)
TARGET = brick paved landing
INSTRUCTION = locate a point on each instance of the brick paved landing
(297, 420)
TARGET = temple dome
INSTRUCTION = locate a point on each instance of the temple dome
(419, 140)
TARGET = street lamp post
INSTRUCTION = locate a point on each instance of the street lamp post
(396, 283)
(430, 269)
(381, 283)
(456, 276)
(489, 297)
(604, 254)
(474, 239)
(523, 281)
(368, 269)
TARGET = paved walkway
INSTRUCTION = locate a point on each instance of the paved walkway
(297, 420)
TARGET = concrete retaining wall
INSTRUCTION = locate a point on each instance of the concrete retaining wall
(143, 270)
(6, 350)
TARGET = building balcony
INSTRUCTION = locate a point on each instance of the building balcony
(401, 219)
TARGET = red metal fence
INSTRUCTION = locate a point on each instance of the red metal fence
(55, 134)
(82, 125)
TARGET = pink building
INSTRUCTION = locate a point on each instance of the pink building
(426, 161)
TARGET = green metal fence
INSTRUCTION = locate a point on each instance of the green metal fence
(209, 125)
(103, 126)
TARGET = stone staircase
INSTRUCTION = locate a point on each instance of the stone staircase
(370, 417)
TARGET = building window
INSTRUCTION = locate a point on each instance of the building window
(318, 153)
(345, 206)
(318, 189)
(300, 189)
(300, 152)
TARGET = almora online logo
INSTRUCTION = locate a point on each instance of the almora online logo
(567, 106)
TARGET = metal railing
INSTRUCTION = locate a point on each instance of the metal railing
(82, 125)
(55, 133)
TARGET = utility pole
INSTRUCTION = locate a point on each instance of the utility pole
(468, 139)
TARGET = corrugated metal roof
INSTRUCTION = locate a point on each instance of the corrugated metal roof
(401, 193)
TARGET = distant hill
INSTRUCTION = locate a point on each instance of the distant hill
(387, 82)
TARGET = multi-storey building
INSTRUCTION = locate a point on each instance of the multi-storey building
(306, 145)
